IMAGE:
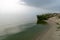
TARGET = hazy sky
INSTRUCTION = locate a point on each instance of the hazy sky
(15, 6)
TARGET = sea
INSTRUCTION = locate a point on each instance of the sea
(24, 32)
(16, 27)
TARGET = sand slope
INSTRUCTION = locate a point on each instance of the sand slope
(52, 34)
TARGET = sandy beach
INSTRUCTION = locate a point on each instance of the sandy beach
(51, 33)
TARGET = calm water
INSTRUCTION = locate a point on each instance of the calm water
(30, 30)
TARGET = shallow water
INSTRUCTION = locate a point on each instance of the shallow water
(29, 32)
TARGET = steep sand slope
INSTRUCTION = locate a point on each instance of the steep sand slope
(52, 34)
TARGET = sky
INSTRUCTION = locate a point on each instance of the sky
(17, 6)
(45, 4)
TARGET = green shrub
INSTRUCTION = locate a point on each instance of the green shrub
(58, 27)
(41, 18)
(41, 22)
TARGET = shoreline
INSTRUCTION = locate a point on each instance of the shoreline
(40, 35)
(47, 34)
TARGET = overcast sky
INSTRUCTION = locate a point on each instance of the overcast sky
(48, 4)
(14, 6)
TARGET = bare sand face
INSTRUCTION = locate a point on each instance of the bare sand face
(52, 34)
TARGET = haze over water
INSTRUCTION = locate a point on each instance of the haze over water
(14, 13)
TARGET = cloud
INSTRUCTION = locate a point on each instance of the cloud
(49, 4)
(37, 3)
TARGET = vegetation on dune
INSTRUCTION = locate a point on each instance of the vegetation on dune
(57, 23)
(41, 18)
(58, 27)
(41, 22)
(58, 16)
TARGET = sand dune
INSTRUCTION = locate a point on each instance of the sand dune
(52, 34)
